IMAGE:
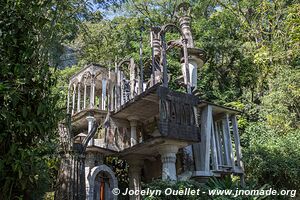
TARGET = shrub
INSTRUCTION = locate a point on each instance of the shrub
(272, 158)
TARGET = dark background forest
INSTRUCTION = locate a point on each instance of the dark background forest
(253, 60)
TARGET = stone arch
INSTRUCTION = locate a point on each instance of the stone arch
(74, 80)
(113, 182)
(85, 76)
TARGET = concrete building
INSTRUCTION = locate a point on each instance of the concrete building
(170, 135)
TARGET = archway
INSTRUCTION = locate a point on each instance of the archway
(102, 182)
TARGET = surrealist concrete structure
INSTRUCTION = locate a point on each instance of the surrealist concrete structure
(166, 134)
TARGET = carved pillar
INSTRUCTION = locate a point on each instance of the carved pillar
(186, 66)
(135, 167)
(122, 85)
(185, 27)
(92, 92)
(112, 97)
(82, 176)
(183, 12)
(168, 159)
(84, 95)
(74, 97)
(103, 95)
(132, 78)
(116, 97)
(68, 101)
(90, 120)
(78, 98)
(156, 52)
(118, 89)
(164, 59)
(196, 56)
(133, 124)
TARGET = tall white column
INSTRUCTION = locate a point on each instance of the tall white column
(132, 77)
(202, 149)
(122, 89)
(74, 96)
(103, 95)
(92, 93)
(90, 120)
(112, 98)
(78, 98)
(168, 159)
(135, 169)
(133, 125)
(84, 96)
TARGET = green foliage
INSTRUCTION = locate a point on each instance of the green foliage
(30, 36)
(61, 88)
(213, 184)
(120, 168)
(230, 183)
(272, 158)
(281, 105)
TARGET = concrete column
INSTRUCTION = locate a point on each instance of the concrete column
(135, 167)
(118, 89)
(78, 98)
(193, 66)
(185, 23)
(202, 149)
(168, 159)
(90, 120)
(74, 96)
(92, 92)
(187, 74)
(122, 89)
(236, 140)
(132, 77)
(112, 98)
(89, 190)
(227, 142)
(133, 125)
(186, 30)
(68, 101)
(103, 95)
(194, 62)
(84, 96)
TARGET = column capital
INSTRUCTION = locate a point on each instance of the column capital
(135, 162)
(90, 118)
(132, 118)
(135, 166)
(168, 149)
(168, 158)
